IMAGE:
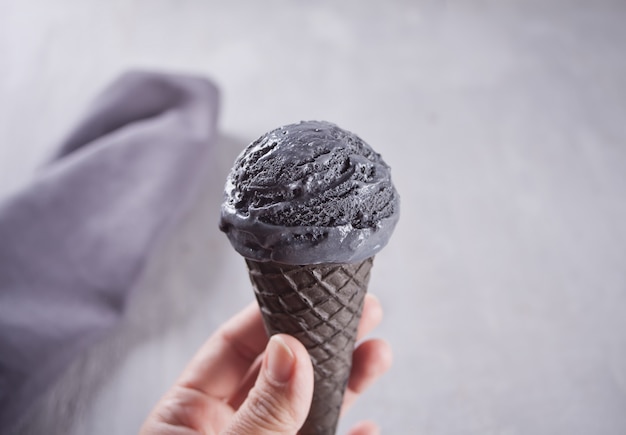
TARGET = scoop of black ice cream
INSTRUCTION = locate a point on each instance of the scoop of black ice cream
(309, 193)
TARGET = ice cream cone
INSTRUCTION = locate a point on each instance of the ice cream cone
(320, 305)
(309, 205)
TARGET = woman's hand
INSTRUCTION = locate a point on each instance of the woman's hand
(241, 383)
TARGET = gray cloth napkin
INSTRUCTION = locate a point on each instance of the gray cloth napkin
(75, 241)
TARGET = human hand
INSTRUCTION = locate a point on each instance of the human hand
(240, 382)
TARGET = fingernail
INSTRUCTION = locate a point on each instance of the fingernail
(280, 359)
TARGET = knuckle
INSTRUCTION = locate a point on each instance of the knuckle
(271, 412)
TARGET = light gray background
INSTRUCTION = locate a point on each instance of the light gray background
(504, 122)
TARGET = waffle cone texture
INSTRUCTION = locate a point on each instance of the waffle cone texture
(321, 306)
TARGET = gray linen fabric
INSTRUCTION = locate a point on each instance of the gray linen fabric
(75, 241)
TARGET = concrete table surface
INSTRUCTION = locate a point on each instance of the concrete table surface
(505, 125)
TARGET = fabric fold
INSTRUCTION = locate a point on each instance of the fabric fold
(74, 242)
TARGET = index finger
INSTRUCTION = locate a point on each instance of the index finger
(222, 362)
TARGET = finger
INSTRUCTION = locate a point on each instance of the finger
(370, 360)
(365, 428)
(371, 316)
(246, 385)
(280, 400)
(185, 411)
(223, 361)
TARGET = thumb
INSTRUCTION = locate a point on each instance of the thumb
(280, 400)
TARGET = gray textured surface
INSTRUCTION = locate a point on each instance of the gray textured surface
(505, 282)
(321, 306)
(309, 193)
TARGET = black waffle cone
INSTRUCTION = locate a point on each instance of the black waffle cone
(321, 306)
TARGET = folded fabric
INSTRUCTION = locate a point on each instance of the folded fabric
(75, 241)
